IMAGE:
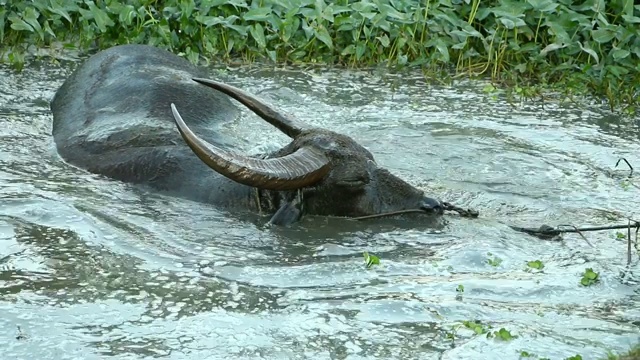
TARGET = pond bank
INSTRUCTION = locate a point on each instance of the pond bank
(527, 48)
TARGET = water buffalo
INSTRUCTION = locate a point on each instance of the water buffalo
(143, 115)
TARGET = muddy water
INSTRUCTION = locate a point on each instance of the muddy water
(92, 268)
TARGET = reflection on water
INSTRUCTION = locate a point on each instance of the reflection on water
(91, 267)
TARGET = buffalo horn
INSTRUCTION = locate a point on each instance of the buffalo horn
(302, 168)
(285, 123)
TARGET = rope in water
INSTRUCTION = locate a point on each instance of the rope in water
(447, 207)
(547, 230)
(544, 231)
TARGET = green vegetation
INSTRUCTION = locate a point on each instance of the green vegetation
(502, 334)
(590, 46)
(536, 265)
(589, 277)
(370, 260)
(633, 354)
(493, 260)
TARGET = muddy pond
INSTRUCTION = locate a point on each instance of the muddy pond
(92, 268)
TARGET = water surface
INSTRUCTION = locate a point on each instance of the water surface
(92, 268)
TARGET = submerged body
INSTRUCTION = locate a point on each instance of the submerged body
(112, 117)
(134, 113)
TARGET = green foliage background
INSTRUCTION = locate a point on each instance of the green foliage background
(575, 46)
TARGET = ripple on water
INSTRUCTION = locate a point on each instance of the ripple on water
(91, 267)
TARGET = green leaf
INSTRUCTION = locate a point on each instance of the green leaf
(537, 264)
(602, 35)
(323, 35)
(504, 334)
(127, 14)
(348, 50)
(234, 3)
(362, 7)
(508, 23)
(19, 24)
(100, 17)
(290, 28)
(57, 9)
(210, 20)
(257, 14)
(31, 17)
(619, 54)
(360, 50)
(552, 47)
(389, 11)
(543, 5)
(370, 260)
(257, 32)
(272, 55)
(48, 29)
(631, 19)
(590, 51)
(442, 48)
(384, 40)
(3, 12)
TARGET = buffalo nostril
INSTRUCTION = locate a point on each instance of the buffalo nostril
(432, 205)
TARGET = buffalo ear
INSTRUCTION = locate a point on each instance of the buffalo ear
(289, 212)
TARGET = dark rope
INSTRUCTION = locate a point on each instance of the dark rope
(462, 212)
(629, 165)
(447, 207)
(544, 231)
(548, 231)
(390, 213)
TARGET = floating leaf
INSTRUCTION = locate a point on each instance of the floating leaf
(537, 264)
(370, 260)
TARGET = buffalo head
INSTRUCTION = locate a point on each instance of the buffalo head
(319, 172)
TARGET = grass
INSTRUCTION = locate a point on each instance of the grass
(527, 47)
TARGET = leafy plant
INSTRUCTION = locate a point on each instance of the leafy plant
(575, 47)
(476, 326)
(493, 260)
(589, 277)
(536, 265)
(370, 260)
(501, 334)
